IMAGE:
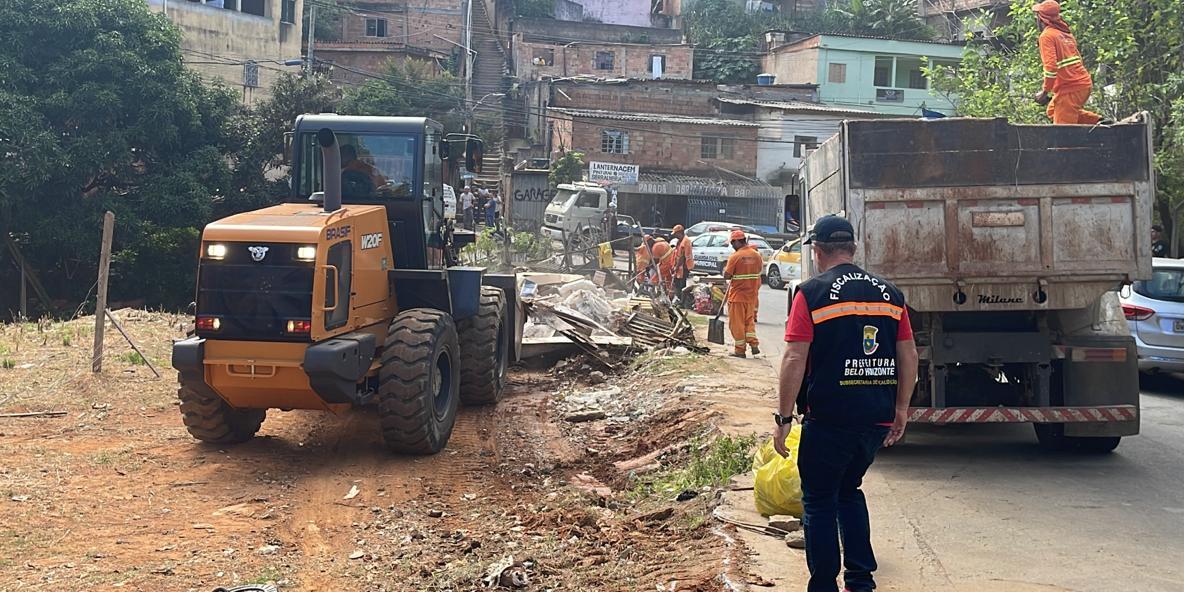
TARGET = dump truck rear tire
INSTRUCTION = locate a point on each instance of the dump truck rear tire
(1052, 436)
(418, 390)
(486, 350)
(210, 419)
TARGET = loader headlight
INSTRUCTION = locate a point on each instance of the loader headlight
(216, 251)
(306, 253)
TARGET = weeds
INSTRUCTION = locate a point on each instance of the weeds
(7, 363)
(66, 340)
(710, 464)
(132, 357)
(269, 574)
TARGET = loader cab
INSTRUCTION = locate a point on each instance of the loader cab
(395, 162)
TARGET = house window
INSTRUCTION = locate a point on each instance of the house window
(255, 7)
(802, 144)
(909, 73)
(288, 12)
(614, 142)
(376, 27)
(713, 147)
(604, 60)
(837, 73)
(542, 56)
(883, 72)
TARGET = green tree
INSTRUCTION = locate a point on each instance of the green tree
(99, 113)
(568, 168)
(887, 18)
(259, 173)
(329, 17)
(534, 8)
(408, 88)
(1133, 50)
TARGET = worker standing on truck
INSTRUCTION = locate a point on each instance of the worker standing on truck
(1067, 83)
(849, 337)
(743, 270)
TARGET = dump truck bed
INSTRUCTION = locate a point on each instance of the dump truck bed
(979, 214)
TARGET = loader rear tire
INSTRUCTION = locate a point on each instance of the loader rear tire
(486, 350)
(418, 388)
(210, 419)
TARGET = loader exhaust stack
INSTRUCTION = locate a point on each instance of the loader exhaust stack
(331, 157)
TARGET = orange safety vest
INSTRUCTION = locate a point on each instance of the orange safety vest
(745, 268)
(1063, 67)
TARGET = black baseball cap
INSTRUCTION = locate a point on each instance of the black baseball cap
(831, 229)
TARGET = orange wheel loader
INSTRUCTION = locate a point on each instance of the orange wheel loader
(350, 294)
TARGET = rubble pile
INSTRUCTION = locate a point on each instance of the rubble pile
(570, 313)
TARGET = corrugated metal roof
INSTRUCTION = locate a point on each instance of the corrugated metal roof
(801, 106)
(676, 177)
(858, 36)
(650, 117)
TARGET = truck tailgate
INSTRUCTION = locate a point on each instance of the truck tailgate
(969, 214)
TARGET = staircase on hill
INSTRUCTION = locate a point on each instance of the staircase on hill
(490, 76)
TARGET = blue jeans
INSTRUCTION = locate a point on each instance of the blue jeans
(832, 461)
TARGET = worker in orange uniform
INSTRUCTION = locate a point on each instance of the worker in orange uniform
(662, 263)
(641, 259)
(1067, 83)
(743, 270)
(683, 261)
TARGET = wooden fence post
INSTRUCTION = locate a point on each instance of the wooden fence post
(101, 306)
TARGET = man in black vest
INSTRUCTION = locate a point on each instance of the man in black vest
(849, 338)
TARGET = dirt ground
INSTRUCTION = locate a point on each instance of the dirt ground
(114, 494)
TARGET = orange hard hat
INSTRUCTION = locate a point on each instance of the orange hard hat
(677, 228)
(660, 248)
(737, 235)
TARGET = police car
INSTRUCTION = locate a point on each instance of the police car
(712, 249)
(785, 266)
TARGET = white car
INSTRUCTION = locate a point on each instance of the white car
(712, 249)
(1155, 311)
(785, 266)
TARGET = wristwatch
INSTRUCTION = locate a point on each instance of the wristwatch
(782, 419)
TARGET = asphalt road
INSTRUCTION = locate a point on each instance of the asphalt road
(983, 508)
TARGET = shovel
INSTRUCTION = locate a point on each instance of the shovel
(715, 327)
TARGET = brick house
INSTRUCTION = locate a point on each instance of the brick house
(375, 32)
(691, 168)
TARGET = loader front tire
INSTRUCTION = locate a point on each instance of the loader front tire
(418, 389)
(486, 350)
(210, 419)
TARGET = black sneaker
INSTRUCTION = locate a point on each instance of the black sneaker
(737, 354)
(756, 351)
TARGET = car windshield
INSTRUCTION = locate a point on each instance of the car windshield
(562, 196)
(760, 244)
(1165, 284)
(372, 165)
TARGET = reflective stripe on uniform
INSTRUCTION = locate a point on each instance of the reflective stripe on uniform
(746, 276)
(867, 309)
(1068, 61)
(1048, 74)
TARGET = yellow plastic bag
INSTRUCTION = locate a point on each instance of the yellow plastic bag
(778, 488)
(605, 255)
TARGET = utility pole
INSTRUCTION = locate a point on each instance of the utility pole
(310, 63)
(468, 49)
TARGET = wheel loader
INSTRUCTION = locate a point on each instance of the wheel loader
(348, 295)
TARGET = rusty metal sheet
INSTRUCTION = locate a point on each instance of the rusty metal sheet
(997, 219)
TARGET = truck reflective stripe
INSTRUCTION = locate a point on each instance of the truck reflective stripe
(1096, 414)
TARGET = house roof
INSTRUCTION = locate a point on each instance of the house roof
(857, 36)
(801, 107)
(716, 179)
(650, 117)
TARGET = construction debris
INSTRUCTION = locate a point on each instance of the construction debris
(571, 310)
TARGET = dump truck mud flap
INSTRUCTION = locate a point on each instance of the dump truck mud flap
(1101, 370)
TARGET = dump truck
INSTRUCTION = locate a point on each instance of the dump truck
(349, 295)
(1009, 243)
